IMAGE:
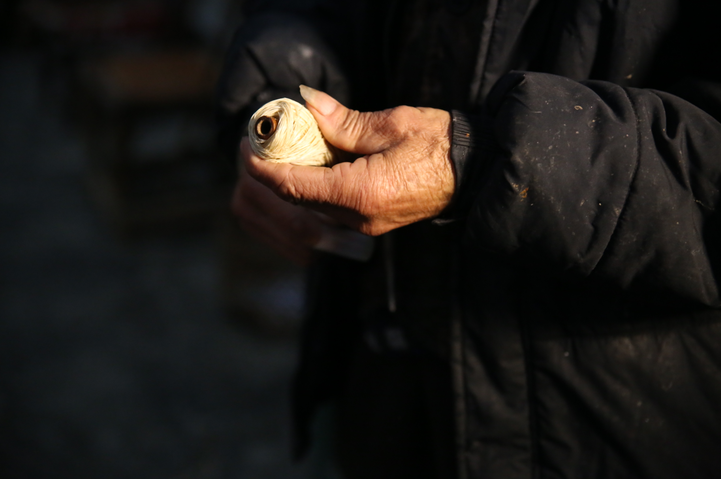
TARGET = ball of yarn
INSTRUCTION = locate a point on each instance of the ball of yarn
(284, 131)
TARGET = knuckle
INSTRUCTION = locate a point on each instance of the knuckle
(354, 123)
(287, 191)
(351, 120)
(371, 229)
(401, 115)
(392, 124)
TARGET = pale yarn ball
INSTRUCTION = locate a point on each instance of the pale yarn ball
(284, 131)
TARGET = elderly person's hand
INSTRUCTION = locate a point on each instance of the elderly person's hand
(404, 176)
(291, 230)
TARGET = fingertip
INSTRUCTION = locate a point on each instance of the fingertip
(275, 176)
(251, 161)
(322, 102)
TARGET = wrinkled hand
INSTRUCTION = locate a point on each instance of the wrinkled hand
(405, 176)
(291, 230)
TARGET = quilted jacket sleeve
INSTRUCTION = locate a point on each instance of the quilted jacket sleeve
(595, 179)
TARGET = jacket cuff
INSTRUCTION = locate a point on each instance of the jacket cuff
(472, 144)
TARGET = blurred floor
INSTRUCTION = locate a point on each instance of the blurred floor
(116, 360)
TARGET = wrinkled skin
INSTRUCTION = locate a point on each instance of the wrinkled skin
(405, 175)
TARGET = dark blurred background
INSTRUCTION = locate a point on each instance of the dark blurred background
(142, 334)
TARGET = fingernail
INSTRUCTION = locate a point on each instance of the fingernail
(322, 102)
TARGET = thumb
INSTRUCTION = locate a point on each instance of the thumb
(350, 130)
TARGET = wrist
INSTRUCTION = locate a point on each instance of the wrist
(471, 146)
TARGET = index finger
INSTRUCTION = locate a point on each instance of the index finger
(306, 184)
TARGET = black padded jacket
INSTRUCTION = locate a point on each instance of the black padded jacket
(571, 288)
